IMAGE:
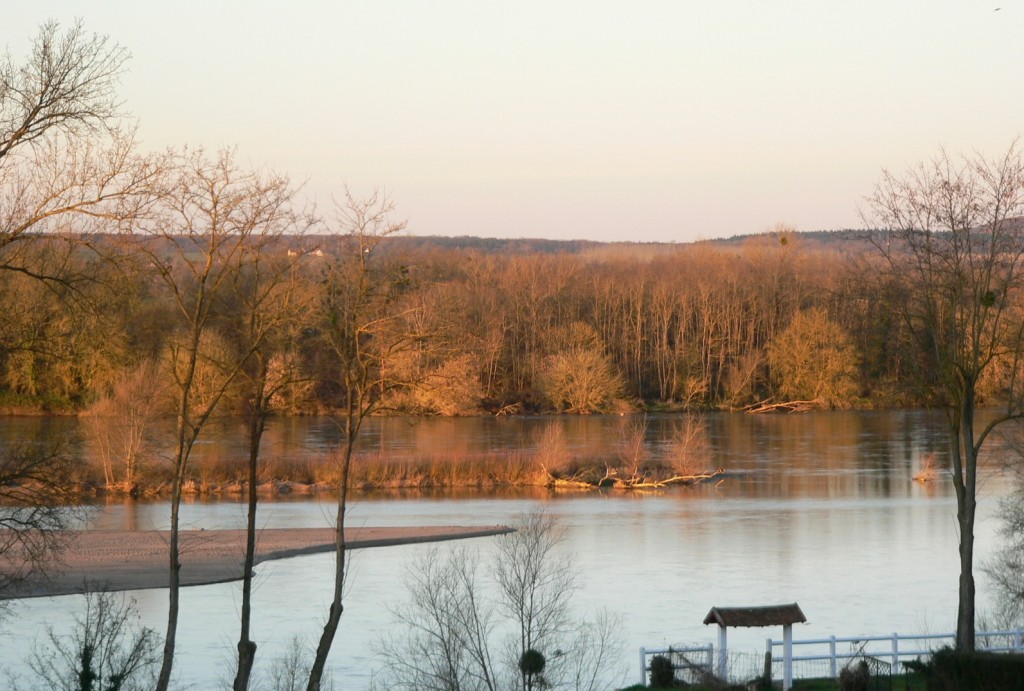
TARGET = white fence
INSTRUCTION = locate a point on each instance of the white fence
(701, 656)
(894, 649)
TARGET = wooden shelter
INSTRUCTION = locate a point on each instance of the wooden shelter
(774, 615)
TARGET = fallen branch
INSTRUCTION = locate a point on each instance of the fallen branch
(693, 479)
(633, 483)
(767, 406)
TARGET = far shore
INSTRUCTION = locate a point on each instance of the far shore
(110, 560)
(590, 479)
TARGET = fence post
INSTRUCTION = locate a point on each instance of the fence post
(787, 657)
(896, 652)
(723, 652)
(711, 658)
(1016, 641)
(832, 656)
(643, 665)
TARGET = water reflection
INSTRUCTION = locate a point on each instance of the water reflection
(820, 509)
(889, 443)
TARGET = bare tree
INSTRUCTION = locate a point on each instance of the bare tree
(460, 635)
(270, 304)
(68, 84)
(579, 377)
(64, 153)
(632, 446)
(290, 670)
(364, 325)
(447, 627)
(35, 481)
(536, 583)
(580, 381)
(1006, 567)
(211, 216)
(107, 650)
(121, 423)
(951, 243)
(688, 445)
(67, 167)
(62, 158)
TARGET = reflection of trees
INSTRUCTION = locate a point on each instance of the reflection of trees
(880, 451)
(36, 481)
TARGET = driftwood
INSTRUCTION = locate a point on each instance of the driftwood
(642, 483)
(636, 482)
(768, 406)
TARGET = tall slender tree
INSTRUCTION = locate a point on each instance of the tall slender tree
(950, 237)
(212, 217)
(364, 325)
(270, 302)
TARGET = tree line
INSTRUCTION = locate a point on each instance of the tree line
(697, 326)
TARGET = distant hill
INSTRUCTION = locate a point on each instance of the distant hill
(840, 240)
(823, 237)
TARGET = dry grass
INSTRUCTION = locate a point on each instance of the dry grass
(549, 464)
(929, 469)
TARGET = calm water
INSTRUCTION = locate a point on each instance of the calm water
(818, 509)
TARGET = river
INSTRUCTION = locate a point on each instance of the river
(819, 509)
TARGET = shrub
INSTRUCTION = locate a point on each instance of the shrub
(855, 677)
(949, 670)
(662, 673)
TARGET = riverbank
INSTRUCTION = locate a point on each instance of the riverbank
(135, 560)
(590, 478)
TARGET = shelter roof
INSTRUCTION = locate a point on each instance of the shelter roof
(774, 615)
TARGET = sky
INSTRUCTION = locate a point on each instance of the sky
(652, 121)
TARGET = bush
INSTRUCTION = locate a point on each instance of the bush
(662, 673)
(949, 670)
(855, 677)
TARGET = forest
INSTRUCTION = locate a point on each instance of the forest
(463, 326)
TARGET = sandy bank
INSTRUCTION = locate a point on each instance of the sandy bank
(131, 560)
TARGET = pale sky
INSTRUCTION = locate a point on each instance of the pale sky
(644, 121)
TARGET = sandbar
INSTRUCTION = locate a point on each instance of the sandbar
(112, 560)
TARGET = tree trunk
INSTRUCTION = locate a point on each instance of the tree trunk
(334, 614)
(174, 572)
(185, 439)
(316, 672)
(965, 481)
(246, 646)
(965, 610)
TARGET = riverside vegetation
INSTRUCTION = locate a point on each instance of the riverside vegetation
(136, 285)
(779, 319)
(547, 460)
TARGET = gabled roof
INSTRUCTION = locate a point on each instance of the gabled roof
(775, 615)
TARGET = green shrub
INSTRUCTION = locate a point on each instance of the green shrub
(662, 673)
(949, 670)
